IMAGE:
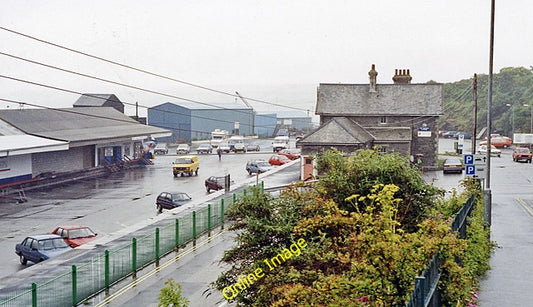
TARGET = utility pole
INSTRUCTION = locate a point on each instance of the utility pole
(474, 89)
(487, 193)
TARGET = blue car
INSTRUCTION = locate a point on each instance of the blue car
(41, 247)
(258, 166)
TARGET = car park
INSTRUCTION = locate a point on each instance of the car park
(204, 149)
(185, 165)
(252, 147)
(522, 154)
(41, 247)
(258, 166)
(452, 165)
(494, 152)
(278, 160)
(161, 149)
(292, 154)
(183, 149)
(171, 200)
(75, 235)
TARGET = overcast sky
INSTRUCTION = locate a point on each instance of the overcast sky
(276, 51)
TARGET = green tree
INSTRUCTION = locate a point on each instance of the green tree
(170, 295)
(342, 176)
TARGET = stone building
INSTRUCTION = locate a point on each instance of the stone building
(399, 117)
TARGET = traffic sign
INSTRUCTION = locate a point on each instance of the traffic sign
(468, 159)
(480, 159)
(470, 170)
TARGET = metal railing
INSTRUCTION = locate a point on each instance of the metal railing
(425, 292)
(100, 272)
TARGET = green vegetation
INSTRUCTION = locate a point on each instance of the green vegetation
(371, 225)
(512, 86)
(170, 295)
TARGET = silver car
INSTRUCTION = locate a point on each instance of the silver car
(452, 165)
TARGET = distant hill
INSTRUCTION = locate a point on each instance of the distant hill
(512, 86)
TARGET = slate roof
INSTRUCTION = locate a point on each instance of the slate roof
(389, 99)
(90, 124)
(12, 145)
(338, 131)
(95, 100)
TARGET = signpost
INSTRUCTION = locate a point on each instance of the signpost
(475, 165)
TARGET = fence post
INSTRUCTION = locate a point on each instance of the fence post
(106, 269)
(134, 257)
(209, 217)
(74, 286)
(262, 187)
(194, 224)
(157, 243)
(33, 294)
(420, 282)
(234, 198)
(222, 210)
(177, 236)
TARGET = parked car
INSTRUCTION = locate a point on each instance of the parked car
(224, 147)
(171, 200)
(252, 147)
(449, 134)
(75, 235)
(41, 247)
(522, 154)
(482, 149)
(464, 134)
(215, 183)
(258, 166)
(278, 160)
(183, 149)
(452, 165)
(204, 149)
(499, 141)
(186, 165)
(292, 154)
(238, 147)
(161, 149)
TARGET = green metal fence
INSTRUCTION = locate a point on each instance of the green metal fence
(99, 273)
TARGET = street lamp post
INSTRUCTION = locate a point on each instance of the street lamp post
(512, 118)
(530, 117)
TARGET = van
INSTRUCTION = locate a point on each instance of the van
(280, 142)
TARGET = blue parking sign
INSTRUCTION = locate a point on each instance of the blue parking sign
(468, 159)
(470, 169)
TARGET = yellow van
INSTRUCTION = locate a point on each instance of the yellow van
(186, 165)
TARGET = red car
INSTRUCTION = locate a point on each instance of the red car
(278, 160)
(292, 154)
(75, 235)
(522, 154)
(499, 141)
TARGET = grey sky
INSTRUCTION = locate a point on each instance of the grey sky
(277, 51)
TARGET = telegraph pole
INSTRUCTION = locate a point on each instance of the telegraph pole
(474, 89)
(487, 192)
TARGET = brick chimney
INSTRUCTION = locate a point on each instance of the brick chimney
(402, 76)
(372, 74)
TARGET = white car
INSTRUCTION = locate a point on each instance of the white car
(183, 149)
(482, 149)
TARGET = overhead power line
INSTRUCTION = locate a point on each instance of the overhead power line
(122, 84)
(145, 71)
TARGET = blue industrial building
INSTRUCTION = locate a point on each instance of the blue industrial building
(265, 124)
(190, 121)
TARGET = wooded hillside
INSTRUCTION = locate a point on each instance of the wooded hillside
(512, 93)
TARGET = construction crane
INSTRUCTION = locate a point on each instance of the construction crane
(252, 125)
